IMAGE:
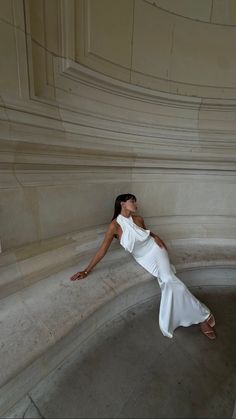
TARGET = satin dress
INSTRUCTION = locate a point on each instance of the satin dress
(178, 306)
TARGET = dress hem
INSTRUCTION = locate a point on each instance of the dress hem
(171, 335)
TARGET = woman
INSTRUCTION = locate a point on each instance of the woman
(178, 306)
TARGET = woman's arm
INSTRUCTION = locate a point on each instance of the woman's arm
(99, 255)
(157, 239)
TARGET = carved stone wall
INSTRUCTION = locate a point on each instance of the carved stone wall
(99, 98)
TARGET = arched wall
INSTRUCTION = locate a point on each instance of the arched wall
(93, 104)
(99, 98)
(179, 47)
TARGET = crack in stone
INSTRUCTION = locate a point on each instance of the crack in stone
(211, 11)
(36, 407)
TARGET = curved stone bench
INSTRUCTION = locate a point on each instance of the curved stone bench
(45, 317)
(23, 266)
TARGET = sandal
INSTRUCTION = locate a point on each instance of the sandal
(208, 333)
(211, 320)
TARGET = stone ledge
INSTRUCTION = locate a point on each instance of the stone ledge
(23, 266)
(56, 316)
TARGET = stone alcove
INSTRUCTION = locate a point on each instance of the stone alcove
(99, 98)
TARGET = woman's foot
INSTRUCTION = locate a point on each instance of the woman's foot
(207, 330)
(211, 320)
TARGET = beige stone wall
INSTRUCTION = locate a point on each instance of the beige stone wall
(103, 97)
(183, 47)
(97, 98)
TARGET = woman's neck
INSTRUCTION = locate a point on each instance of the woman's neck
(125, 213)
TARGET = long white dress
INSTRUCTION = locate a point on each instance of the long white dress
(178, 307)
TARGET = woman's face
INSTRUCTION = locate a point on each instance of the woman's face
(130, 205)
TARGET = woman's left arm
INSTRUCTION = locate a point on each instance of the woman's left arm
(157, 239)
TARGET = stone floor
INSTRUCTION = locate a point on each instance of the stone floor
(131, 371)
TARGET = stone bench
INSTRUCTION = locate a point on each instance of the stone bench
(45, 317)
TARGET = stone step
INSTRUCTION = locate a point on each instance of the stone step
(26, 265)
(44, 316)
(21, 267)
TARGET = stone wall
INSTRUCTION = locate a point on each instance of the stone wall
(93, 104)
(99, 98)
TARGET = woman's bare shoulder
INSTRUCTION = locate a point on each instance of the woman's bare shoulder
(137, 217)
(113, 229)
(113, 225)
(139, 220)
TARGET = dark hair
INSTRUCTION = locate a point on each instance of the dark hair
(121, 198)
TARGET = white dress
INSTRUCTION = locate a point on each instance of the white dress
(178, 307)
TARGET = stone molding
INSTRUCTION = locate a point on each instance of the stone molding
(68, 130)
(136, 71)
(89, 113)
(209, 11)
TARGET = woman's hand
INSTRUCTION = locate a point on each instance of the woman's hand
(159, 242)
(79, 275)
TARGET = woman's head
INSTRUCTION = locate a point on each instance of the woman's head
(126, 201)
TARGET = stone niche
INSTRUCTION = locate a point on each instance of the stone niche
(100, 98)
